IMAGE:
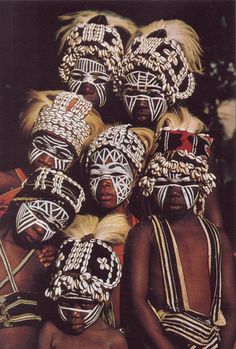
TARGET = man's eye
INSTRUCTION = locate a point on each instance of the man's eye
(100, 81)
(62, 156)
(131, 93)
(40, 145)
(77, 76)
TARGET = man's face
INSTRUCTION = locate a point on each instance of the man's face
(39, 220)
(79, 313)
(143, 98)
(89, 77)
(175, 194)
(50, 151)
(111, 177)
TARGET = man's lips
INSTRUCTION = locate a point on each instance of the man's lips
(175, 204)
(104, 196)
(142, 115)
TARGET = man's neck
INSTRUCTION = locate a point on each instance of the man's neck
(186, 217)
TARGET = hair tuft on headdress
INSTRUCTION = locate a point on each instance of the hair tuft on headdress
(184, 34)
(113, 228)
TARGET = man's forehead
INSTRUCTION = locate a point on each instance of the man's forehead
(175, 177)
(142, 79)
(90, 65)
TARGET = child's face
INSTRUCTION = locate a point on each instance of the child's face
(111, 177)
(47, 150)
(78, 313)
(89, 77)
(143, 98)
(175, 193)
(39, 220)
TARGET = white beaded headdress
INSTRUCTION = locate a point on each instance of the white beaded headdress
(90, 268)
(171, 51)
(66, 119)
(82, 38)
(184, 153)
(121, 137)
(53, 185)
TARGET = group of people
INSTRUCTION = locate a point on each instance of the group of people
(112, 236)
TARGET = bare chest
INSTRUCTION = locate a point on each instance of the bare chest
(19, 269)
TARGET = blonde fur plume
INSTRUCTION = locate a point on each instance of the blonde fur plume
(113, 228)
(35, 101)
(82, 17)
(185, 35)
(181, 119)
(146, 135)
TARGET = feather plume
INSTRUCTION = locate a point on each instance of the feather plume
(113, 228)
(182, 119)
(35, 101)
(82, 17)
(185, 35)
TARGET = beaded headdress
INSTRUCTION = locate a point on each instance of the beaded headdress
(53, 185)
(184, 153)
(86, 34)
(168, 49)
(121, 137)
(90, 268)
(66, 119)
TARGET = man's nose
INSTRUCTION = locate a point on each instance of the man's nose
(174, 191)
(76, 314)
(142, 103)
(46, 159)
(87, 88)
(105, 182)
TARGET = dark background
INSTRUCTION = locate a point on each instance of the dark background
(28, 60)
(28, 50)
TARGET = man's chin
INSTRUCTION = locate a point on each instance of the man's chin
(176, 213)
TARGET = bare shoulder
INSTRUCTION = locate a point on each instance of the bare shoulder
(142, 229)
(49, 328)
(8, 179)
(226, 244)
(118, 340)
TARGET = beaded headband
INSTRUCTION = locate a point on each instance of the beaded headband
(53, 185)
(66, 119)
(99, 40)
(90, 268)
(122, 138)
(198, 144)
(166, 59)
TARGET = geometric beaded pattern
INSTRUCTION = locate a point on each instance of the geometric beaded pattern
(66, 119)
(122, 138)
(88, 267)
(166, 59)
(99, 40)
(177, 162)
(55, 185)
